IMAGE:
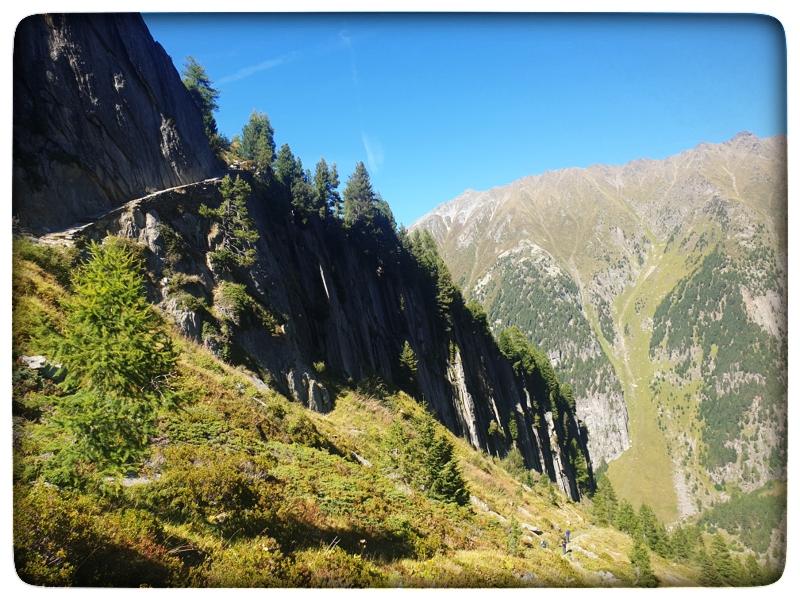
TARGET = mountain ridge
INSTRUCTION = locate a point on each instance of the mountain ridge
(610, 231)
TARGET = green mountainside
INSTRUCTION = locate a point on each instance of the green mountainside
(239, 486)
(668, 279)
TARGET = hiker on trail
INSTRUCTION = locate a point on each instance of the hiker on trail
(564, 545)
(566, 536)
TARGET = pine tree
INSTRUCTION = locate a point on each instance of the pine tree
(723, 561)
(258, 141)
(236, 227)
(286, 168)
(119, 363)
(709, 576)
(654, 533)
(359, 197)
(754, 572)
(680, 544)
(640, 562)
(626, 520)
(426, 460)
(604, 502)
(326, 182)
(205, 96)
(408, 363)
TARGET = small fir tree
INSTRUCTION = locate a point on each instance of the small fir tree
(237, 231)
(119, 364)
(640, 563)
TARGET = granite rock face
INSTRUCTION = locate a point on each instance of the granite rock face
(100, 117)
(339, 304)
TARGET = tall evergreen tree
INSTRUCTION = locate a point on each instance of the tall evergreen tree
(723, 561)
(709, 576)
(640, 562)
(654, 533)
(326, 182)
(626, 520)
(119, 363)
(258, 141)
(205, 96)
(604, 501)
(359, 197)
(286, 168)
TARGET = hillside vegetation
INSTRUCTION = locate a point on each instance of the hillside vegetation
(237, 486)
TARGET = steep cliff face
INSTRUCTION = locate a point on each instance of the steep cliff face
(324, 306)
(100, 116)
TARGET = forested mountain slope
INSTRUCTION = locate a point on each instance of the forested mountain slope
(664, 280)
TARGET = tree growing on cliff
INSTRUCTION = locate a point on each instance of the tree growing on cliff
(359, 197)
(257, 142)
(119, 363)
(237, 231)
(205, 96)
(326, 183)
(408, 364)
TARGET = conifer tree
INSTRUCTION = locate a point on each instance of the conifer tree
(408, 364)
(258, 141)
(205, 97)
(626, 520)
(709, 576)
(286, 168)
(119, 363)
(604, 501)
(426, 460)
(724, 563)
(359, 197)
(236, 227)
(640, 562)
(326, 182)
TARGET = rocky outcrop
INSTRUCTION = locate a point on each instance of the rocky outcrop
(100, 117)
(341, 312)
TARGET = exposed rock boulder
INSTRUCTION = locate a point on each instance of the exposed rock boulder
(100, 117)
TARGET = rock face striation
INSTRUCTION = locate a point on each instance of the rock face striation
(100, 117)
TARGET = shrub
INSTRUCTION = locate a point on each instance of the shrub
(333, 567)
(258, 562)
(226, 491)
(62, 538)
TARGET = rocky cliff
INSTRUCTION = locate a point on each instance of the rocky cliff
(323, 307)
(100, 117)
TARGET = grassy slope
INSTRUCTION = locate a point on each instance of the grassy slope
(243, 487)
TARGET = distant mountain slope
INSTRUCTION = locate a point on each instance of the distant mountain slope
(101, 117)
(664, 280)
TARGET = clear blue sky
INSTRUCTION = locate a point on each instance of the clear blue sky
(438, 104)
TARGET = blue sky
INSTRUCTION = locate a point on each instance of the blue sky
(438, 104)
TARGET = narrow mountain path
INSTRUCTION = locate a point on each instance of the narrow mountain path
(66, 237)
